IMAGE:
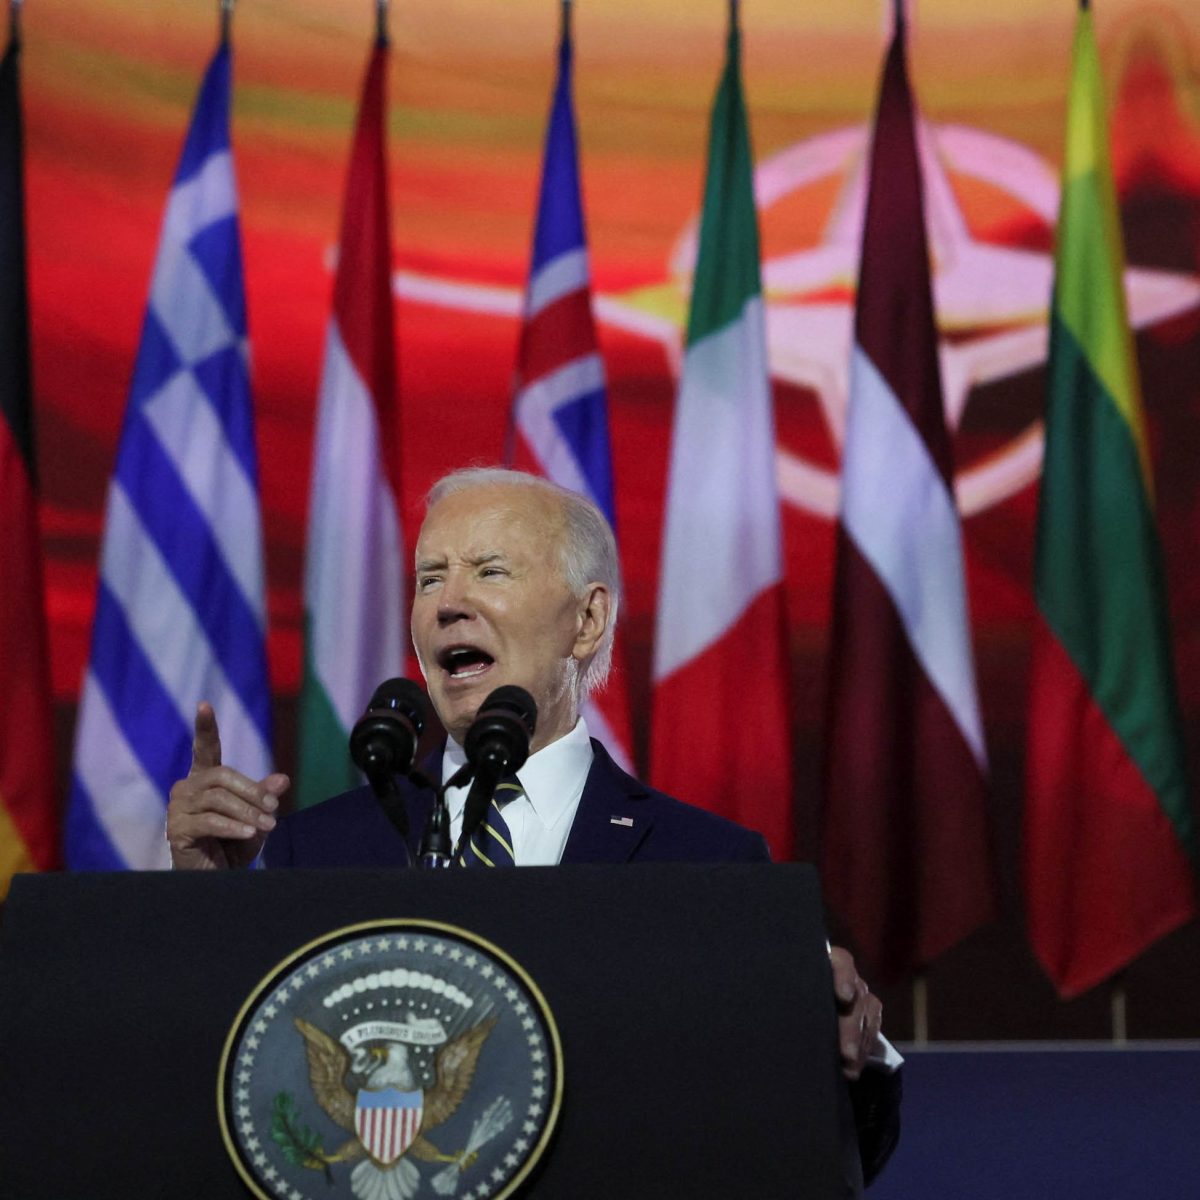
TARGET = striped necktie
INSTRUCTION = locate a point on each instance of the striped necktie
(491, 843)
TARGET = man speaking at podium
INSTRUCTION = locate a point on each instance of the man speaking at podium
(517, 582)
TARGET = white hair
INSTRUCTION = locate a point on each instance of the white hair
(588, 550)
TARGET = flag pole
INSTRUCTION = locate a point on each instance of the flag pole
(921, 1009)
(381, 22)
(1116, 1000)
(226, 7)
(14, 20)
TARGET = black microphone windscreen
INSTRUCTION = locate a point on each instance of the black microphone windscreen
(384, 739)
(517, 701)
(401, 694)
(502, 730)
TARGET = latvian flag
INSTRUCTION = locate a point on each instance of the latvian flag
(720, 735)
(1110, 843)
(180, 607)
(560, 412)
(354, 602)
(906, 857)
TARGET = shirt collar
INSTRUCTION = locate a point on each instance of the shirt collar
(552, 778)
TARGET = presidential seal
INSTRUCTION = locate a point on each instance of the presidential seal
(389, 1061)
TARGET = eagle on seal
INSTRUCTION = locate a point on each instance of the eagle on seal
(328, 1065)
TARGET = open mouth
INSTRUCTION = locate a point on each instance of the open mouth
(464, 662)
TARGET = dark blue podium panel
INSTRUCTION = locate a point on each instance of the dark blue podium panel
(1058, 1123)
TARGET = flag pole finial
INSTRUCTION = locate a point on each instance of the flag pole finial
(381, 22)
(566, 18)
(226, 7)
(14, 19)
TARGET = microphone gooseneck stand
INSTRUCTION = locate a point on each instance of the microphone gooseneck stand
(435, 851)
(497, 744)
(383, 744)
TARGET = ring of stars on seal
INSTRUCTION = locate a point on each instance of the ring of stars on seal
(391, 1060)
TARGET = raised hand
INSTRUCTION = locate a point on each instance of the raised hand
(217, 817)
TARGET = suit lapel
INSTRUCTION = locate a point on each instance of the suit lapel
(612, 819)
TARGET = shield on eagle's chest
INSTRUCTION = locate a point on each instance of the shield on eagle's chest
(387, 1121)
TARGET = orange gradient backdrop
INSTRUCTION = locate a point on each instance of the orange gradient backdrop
(108, 86)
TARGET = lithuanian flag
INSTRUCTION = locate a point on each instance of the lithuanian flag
(1108, 824)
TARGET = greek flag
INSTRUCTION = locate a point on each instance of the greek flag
(180, 613)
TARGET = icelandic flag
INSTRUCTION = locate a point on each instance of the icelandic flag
(560, 410)
(180, 612)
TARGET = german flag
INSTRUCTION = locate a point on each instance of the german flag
(27, 811)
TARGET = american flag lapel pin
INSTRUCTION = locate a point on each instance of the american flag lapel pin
(627, 821)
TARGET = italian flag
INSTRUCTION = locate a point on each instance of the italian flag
(354, 607)
(720, 715)
(1108, 827)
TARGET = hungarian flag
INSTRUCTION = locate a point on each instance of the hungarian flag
(720, 735)
(27, 809)
(1108, 826)
(355, 614)
(560, 410)
(905, 849)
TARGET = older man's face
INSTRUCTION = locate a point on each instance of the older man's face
(492, 607)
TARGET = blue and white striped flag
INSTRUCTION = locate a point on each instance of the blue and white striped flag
(180, 613)
(560, 410)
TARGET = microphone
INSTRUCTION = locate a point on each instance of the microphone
(497, 744)
(383, 743)
(499, 735)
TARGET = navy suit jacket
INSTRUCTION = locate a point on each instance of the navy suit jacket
(351, 830)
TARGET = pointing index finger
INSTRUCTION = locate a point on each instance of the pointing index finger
(206, 745)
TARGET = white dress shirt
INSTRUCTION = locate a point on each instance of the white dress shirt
(540, 820)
